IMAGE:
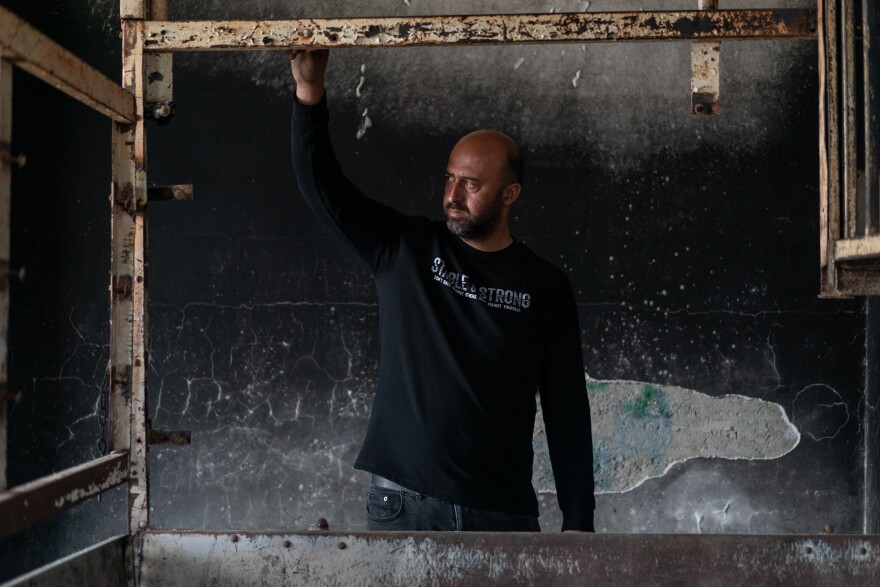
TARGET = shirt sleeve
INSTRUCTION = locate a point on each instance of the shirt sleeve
(566, 409)
(370, 229)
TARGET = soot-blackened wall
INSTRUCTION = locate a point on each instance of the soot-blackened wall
(726, 396)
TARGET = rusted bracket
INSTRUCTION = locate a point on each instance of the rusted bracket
(121, 286)
(6, 273)
(705, 71)
(165, 193)
(161, 112)
(172, 437)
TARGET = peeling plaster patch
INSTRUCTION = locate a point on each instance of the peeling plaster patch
(641, 430)
(365, 124)
(819, 411)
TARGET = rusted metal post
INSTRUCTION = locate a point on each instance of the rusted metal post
(5, 202)
(706, 71)
(829, 167)
(128, 280)
(871, 218)
(849, 157)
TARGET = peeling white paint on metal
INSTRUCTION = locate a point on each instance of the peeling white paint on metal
(642, 430)
(117, 475)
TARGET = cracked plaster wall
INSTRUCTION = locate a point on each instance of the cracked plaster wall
(691, 243)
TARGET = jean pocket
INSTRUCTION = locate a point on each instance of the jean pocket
(384, 505)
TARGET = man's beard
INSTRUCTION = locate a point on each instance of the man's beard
(475, 227)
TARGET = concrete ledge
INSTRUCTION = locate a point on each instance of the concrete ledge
(200, 558)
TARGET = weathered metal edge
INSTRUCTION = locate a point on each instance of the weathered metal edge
(28, 504)
(479, 29)
(449, 558)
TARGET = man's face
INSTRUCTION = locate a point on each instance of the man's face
(473, 192)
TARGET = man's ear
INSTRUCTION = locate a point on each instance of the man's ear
(510, 194)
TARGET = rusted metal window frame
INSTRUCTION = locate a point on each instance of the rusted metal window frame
(23, 46)
(143, 39)
(849, 219)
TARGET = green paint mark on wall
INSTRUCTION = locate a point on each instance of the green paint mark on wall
(639, 408)
(596, 387)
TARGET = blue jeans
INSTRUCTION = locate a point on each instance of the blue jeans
(408, 511)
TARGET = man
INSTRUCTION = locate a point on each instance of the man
(471, 325)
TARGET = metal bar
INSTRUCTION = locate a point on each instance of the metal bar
(871, 199)
(136, 9)
(172, 437)
(829, 192)
(165, 193)
(159, 67)
(238, 35)
(127, 266)
(28, 504)
(849, 154)
(42, 57)
(5, 206)
(866, 247)
(705, 71)
(465, 558)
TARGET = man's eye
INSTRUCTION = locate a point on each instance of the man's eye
(470, 184)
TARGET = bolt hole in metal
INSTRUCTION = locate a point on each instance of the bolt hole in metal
(235, 537)
(286, 544)
(863, 551)
(342, 546)
(808, 550)
(699, 108)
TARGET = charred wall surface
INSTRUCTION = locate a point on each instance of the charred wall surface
(726, 395)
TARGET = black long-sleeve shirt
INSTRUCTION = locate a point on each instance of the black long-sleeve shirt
(466, 339)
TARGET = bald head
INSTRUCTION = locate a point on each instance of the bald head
(497, 149)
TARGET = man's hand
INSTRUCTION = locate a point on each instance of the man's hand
(308, 67)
